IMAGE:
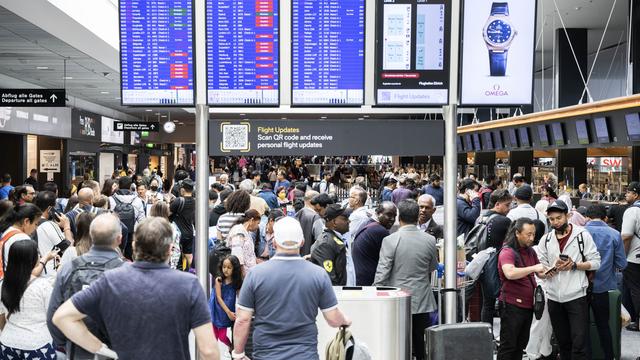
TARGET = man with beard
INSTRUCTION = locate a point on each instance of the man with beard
(571, 251)
(368, 241)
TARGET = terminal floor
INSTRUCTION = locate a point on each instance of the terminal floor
(630, 345)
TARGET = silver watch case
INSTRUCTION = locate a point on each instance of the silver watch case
(506, 44)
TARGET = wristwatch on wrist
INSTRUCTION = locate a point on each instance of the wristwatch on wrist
(235, 355)
(498, 33)
(574, 266)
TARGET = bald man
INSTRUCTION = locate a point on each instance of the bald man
(85, 204)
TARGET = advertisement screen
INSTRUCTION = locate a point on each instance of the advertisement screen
(328, 52)
(412, 41)
(498, 52)
(242, 52)
(602, 130)
(558, 134)
(459, 144)
(476, 142)
(468, 145)
(488, 141)
(524, 137)
(497, 137)
(542, 135)
(633, 126)
(583, 132)
(156, 52)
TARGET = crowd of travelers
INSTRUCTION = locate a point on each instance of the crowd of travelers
(106, 272)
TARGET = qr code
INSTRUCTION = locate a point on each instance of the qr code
(235, 137)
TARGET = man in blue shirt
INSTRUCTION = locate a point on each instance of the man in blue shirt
(434, 189)
(281, 181)
(612, 258)
(284, 295)
(6, 187)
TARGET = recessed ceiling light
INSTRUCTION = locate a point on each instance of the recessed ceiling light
(148, 110)
(323, 117)
(365, 116)
(175, 121)
(242, 114)
(104, 92)
(42, 67)
(284, 118)
(163, 116)
(360, 118)
(68, 78)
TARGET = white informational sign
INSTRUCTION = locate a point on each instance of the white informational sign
(109, 134)
(497, 52)
(49, 161)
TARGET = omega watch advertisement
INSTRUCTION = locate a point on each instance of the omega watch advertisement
(497, 52)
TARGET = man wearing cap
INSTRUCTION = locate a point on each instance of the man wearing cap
(331, 250)
(631, 239)
(284, 295)
(407, 259)
(523, 196)
(571, 251)
(307, 217)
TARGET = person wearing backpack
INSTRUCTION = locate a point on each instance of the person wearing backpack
(497, 226)
(129, 208)
(82, 271)
(493, 182)
(569, 249)
(183, 214)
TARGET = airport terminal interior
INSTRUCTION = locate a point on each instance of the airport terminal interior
(456, 179)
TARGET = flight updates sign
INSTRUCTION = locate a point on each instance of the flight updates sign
(497, 52)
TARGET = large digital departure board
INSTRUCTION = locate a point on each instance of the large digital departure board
(412, 42)
(156, 52)
(328, 52)
(242, 52)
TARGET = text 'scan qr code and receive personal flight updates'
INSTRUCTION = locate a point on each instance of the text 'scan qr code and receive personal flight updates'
(235, 137)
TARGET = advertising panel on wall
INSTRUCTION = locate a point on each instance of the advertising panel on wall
(497, 52)
(55, 122)
(412, 52)
(327, 137)
(109, 134)
(86, 125)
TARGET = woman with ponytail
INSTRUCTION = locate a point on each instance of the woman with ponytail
(23, 306)
(18, 224)
(241, 242)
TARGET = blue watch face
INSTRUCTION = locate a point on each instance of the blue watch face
(498, 32)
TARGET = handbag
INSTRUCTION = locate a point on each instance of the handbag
(538, 302)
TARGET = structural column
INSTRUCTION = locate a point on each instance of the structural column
(633, 85)
(571, 66)
(487, 159)
(576, 159)
(519, 159)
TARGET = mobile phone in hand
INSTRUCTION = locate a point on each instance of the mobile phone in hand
(564, 257)
(549, 271)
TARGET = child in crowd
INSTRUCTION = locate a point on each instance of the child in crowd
(223, 304)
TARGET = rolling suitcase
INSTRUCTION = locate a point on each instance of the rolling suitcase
(615, 324)
(465, 341)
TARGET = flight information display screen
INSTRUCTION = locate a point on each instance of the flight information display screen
(412, 43)
(242, 52)
(156, 52)
(328, 52)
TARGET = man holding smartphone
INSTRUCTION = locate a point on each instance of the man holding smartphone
(571, 250)
(468, 205)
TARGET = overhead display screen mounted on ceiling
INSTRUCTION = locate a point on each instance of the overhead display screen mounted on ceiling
(412, 52)
(156, 52)
(242, 53)
(328, 52)
(497, 52)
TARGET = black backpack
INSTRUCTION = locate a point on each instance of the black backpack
(126, 212)
(476, 239)
(218, 253)
(83, 274)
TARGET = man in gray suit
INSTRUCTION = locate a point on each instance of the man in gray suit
(407, 259)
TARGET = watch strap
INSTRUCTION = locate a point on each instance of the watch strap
(498, 62)
(500, 8)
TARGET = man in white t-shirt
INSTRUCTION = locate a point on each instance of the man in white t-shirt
(523, 196)
(631, 238)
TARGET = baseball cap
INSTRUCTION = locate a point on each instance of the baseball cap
(322, 200)
(558, 205)
(287, 233)
(634, 186)
(524, 193)
(335, 210)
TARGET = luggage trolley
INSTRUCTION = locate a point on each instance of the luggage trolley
(437, 285)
